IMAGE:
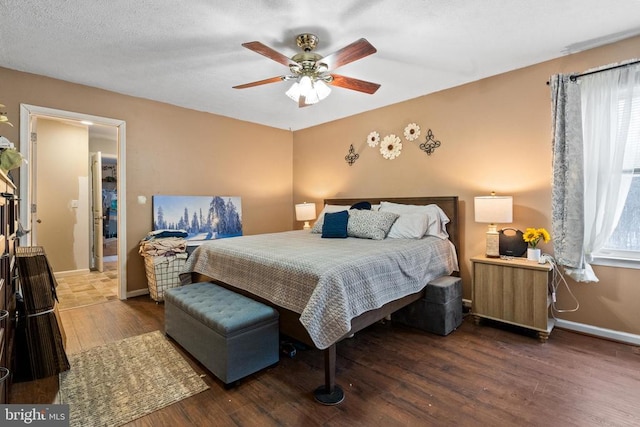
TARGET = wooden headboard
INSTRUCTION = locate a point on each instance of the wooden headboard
(449, 204)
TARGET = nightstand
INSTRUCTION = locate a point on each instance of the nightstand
(514, 291)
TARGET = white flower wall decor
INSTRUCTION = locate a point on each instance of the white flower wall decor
(373, 139)
(412, 132)
(390, 147)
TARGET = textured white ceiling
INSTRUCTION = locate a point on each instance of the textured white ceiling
(188, 52)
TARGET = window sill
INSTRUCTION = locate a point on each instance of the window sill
(616, 262)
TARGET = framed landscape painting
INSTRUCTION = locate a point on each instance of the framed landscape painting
(202, 217)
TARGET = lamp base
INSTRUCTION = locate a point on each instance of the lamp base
(306, 226)
(493, 242)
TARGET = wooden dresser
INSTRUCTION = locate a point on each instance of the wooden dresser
(8, 281)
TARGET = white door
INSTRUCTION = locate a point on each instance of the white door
(61, 193)
(96, 210)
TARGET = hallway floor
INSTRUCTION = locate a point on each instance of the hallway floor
(88, 289)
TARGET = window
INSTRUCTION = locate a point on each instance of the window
(623, 247)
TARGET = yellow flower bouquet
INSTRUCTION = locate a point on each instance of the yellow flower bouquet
(533, 235)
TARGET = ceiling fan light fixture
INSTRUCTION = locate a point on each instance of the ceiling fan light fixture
(321, 89)
(306, 85)
(312, 91)
(308, 91)
(294, 92)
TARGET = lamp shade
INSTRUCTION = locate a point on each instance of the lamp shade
(305, 211)
(493, 209)
(321, 89)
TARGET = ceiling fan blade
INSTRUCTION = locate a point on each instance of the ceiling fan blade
(268, 52)
(354, 84)
(356, 50)
(260, 82)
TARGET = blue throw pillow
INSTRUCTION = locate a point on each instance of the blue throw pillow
(335, 225)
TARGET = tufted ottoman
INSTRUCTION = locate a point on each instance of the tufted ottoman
(232, 335)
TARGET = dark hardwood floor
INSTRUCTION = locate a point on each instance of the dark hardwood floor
(394, 376)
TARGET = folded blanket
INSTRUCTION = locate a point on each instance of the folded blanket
(162, 246)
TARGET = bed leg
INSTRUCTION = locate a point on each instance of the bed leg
(330, 393)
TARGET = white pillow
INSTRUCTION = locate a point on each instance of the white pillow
(437, 218)
(317, 227)
(409, 226)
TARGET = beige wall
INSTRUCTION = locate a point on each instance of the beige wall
(495, 136)
(173, 150)
(63, 176)
(105, 146)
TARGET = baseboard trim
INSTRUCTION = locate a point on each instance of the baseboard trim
(583, 328)
(609, 334)
(137, 293)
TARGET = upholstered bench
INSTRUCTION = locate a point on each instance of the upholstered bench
(231, 335)
(439, 312)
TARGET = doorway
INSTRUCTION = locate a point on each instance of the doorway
(109, 201)
(29, 185)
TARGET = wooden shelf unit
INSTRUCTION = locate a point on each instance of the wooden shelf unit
(514, 291)
(8, 283)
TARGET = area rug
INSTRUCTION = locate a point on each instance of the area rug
(116, 383)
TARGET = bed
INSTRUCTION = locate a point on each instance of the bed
(328, 289)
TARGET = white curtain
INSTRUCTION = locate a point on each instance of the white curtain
(606, 102)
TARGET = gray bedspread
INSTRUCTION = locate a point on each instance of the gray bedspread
(327, 281)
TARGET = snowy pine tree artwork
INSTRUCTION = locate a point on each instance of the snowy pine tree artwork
(202, 217)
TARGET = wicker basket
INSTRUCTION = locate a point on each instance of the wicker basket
(162, 273)
(40, 337)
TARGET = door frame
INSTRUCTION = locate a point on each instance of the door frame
(97, 219)
(26, 113)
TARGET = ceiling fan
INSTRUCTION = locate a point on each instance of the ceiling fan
(311, 70)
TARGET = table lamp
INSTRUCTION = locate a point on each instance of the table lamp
(493, 209)
(305, 212)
